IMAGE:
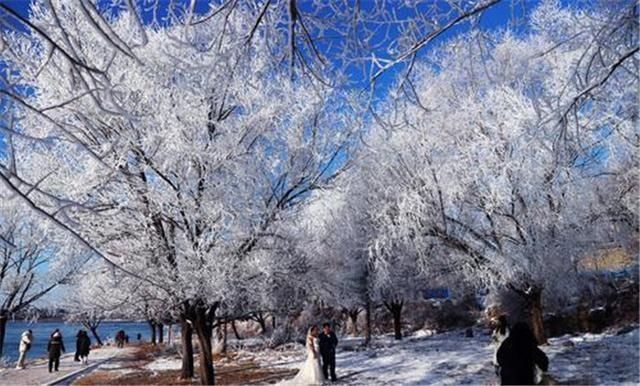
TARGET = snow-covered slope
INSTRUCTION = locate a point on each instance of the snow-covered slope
(451, 358)
(595, 358)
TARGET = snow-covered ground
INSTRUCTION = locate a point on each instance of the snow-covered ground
(451, 358)
(595, 358)
(163, 363)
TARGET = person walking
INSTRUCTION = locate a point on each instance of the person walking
(55, 349)
(120, 339)
(518, 357)
(83, 346)
(25, 345)
(76, 356)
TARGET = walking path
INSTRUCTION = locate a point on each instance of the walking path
(37, 372)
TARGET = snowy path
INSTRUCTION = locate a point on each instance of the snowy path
(443, 359)
(37, 372)
(452, 359)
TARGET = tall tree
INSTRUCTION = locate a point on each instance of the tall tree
(502, 155)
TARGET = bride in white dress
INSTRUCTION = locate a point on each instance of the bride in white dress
(310, 373)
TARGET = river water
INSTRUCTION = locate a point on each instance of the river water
(42, 331)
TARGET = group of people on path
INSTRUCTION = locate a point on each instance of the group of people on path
(517, 358)
(55, 348)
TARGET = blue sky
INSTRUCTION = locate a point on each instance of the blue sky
(506, 13)
(499, 16)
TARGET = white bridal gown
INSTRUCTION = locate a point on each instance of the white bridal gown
(310, 373)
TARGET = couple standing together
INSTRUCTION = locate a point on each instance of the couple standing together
(319, 345)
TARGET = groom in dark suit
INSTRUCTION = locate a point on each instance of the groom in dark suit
(328, 344)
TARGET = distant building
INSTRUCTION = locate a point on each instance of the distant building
(614, 259)
(436, 293)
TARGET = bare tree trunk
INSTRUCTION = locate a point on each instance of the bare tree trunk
(397, 324)
(3, 331)
(235, 330)
(94, 332)
(533, 307)
(259, 317)
(395, 308)
(203, 332)
(224, 337)
(93, 327)
(353, 315)
(273, 322)
(367, 324)
(160, 328)
(535, 316)
(187, 349)
(152, 326)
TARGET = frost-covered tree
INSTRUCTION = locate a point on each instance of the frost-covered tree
(371, 39)
(357, 273)
(99, 292)
(182, 151)
(176, 162)
(501, 158)
(34, 260)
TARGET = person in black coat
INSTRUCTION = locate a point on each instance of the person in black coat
(83, 346)
(55, 349)
(518, 356)
(328, 344)
(76, 356)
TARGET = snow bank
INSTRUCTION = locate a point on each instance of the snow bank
(164, 364)
(595, 358)
(451, 358)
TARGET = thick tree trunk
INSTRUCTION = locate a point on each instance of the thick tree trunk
(235, 330)
(395, 308)
(367, 324)
(3, 331)
(224, 337)
(532, 297)
(152, 326)
(187, 349)
(94, 332)
(353, 315)
(397, 323)
(259, 317)
(535, 317)
(203, 332)
(160, 328)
